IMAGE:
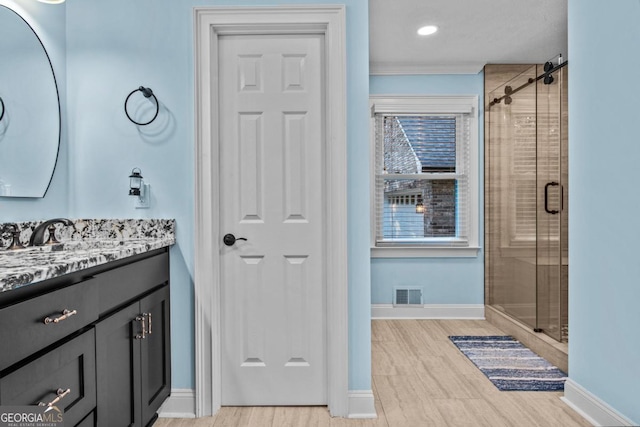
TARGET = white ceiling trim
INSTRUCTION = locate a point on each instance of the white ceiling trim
(396, 69)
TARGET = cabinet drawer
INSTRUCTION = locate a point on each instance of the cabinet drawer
(70, 366)
(124, 284)
(25, 329)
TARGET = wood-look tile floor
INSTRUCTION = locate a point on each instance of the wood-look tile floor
(419, 379)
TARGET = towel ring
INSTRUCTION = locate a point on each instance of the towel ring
(147, 92)
(3, 109)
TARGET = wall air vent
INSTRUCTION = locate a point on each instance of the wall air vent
(407, 297)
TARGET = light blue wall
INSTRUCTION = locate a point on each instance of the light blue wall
(429, 84)
(445, 280)
(49, 23)
(604, 153)
(114, 47)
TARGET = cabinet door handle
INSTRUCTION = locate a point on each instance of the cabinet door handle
(149, 323)
(60, 394)
(65, 315)
(142, 335)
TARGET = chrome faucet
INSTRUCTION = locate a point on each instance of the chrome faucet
(37, 237)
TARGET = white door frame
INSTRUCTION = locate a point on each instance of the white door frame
(209, 24)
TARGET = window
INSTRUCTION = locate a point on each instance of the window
(425, 176)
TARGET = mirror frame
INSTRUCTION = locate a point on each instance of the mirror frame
(55, 84)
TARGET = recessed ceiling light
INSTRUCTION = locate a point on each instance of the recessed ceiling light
(427, 30)
(51, 1)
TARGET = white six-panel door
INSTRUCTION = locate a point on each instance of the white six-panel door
(273, 289)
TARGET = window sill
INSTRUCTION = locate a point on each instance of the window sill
(425, 252)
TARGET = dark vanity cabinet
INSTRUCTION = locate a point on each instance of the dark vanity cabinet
(132, 347)
(96, 340)
(66, 373)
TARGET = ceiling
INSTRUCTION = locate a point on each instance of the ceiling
(471, 33)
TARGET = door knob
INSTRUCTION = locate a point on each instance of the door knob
(230, 239)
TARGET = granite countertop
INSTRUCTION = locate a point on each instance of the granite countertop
(90, 243)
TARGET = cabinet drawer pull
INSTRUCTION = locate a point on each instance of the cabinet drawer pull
(65, 315)
(60, 394)
(140, 319)
(149, 323)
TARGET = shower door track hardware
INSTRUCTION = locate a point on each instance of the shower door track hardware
(508, 90)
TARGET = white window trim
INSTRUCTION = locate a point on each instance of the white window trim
(426, 104)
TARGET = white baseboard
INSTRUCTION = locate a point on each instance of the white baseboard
(591, 407)
(180, 404)
(428, 311)
(361, 404)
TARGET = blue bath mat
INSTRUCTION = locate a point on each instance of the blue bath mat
(509, 365)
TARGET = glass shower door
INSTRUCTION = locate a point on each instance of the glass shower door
(551, 196)
(526, 200)
(511, 199)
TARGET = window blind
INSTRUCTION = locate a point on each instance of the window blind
(422, 183)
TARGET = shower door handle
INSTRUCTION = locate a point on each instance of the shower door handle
(546, 197)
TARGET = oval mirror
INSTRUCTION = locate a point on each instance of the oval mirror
(30, 110)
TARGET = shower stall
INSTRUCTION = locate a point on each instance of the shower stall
(526, 194)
